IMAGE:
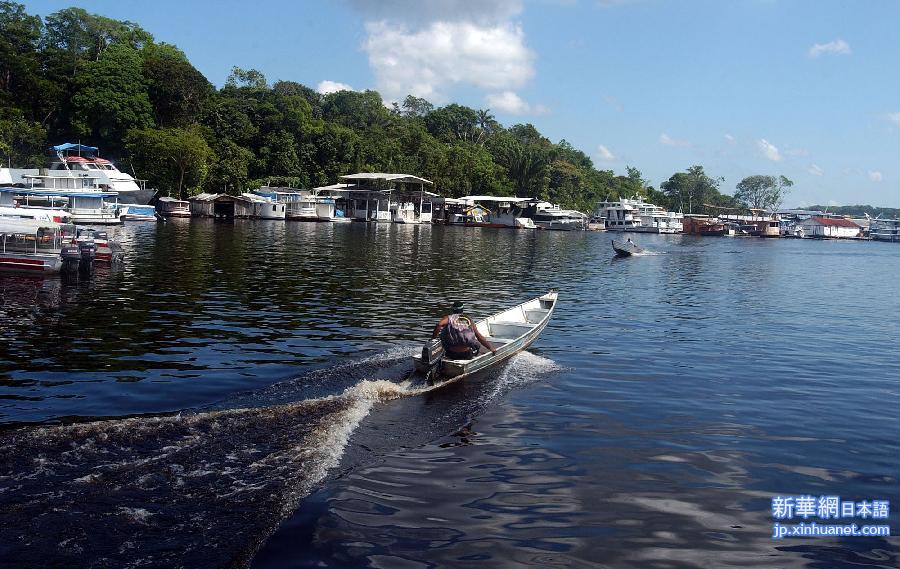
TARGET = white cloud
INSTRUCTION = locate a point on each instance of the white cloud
(509, 102)
(875, 176)
(730, 139)
(667, 140)
(815, 170)
(893, 117)
(605, 155)
(425, 48)
(837, 47)
(769, 150)
(325, 87)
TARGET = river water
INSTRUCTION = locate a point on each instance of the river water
(236, 395)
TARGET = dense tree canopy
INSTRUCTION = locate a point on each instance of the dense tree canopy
(762, 192)
(76, 75)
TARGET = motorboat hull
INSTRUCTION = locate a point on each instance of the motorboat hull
(625, 249)
(30, 263)
(530, 317)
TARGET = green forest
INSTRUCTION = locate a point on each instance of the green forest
(75, 76)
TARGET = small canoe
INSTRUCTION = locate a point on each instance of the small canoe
(509, 331)
(625, 248)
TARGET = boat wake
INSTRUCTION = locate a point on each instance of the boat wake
(201, 489)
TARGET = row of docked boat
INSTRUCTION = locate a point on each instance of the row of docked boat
(377, 197)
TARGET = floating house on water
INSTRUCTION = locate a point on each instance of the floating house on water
(222, 206)
(265, 208)
(376, 197)
(493, 211)
(758, 224)
(331, 202)
(829, 228)
(171, 207)
(699, 224)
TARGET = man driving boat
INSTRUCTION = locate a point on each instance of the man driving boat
(459, 336)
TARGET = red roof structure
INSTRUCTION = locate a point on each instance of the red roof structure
(835, 221)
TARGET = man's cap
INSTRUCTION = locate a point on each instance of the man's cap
(457, 307)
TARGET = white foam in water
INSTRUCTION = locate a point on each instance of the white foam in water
(523, 368)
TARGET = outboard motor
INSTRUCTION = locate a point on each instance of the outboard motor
(88, 251)
(71, 256)
(432, 354)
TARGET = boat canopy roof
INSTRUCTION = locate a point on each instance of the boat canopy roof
(76, 147)
(335, 188)
(471, 199)
(17, 225)
(373, 176)
(206, 197)
(59, 193)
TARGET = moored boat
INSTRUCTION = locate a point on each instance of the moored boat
(171, 207)
(625, 248)
(134, 212)
(551, 216)
(509, 331)
(30, 246)
(106, 250)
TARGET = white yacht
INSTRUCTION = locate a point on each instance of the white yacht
(550, 216)
(637, 215)
(655, 219)
(493, 211)
(617, 215)
(80, 161)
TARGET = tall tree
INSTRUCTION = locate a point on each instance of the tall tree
(175, 160)
(527, 170)
(690, 190)
(111, 97)
(176, 89)
(19, 63)
(229, 168)
(73, 35)
(246, 78)
(416, 107)
(763, 192)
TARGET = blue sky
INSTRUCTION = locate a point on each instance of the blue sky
(807, 89)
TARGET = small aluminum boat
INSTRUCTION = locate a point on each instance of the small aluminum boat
(509, 331)
(625, 248)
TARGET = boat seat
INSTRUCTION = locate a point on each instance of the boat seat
(509, 329)
(535, 315)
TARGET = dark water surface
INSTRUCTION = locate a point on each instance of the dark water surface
(235, 395)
